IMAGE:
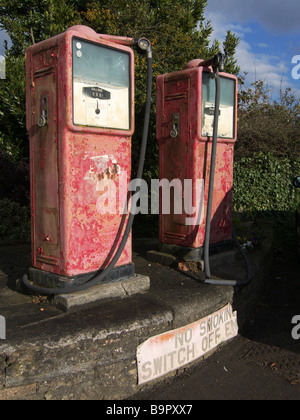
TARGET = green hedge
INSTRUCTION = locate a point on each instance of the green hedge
(263, 183)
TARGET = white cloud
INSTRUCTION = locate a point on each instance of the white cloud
(263, 45)
(275, 15)
(271, 69)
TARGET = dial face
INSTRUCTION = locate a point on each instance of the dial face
(226, 125)
(101, 86)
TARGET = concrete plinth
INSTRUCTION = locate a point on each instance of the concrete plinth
(121, 289)
(89, 349)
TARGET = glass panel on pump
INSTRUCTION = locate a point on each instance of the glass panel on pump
(227, 106)
(101, 86)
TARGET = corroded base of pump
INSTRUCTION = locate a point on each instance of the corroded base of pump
(50, 280)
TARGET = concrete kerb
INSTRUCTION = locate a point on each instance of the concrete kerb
(90, 352)
(135, 285)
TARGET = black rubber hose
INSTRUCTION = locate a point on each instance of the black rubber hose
(212, 177)
(219, 282)
(237, 283)
(101, 274)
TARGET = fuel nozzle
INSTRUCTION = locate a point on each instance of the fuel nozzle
(220, 61)
(217, 62)
(142, 44)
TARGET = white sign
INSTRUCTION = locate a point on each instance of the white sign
(172, 350)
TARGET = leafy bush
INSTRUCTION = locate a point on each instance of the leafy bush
(266, 124)
(14, 179)
(14, 221)
(263, 182)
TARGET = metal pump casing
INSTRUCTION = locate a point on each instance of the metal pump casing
(74, 143)
(185, 145)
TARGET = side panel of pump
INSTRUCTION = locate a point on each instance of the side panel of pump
(175, 159)
(185, 155)
(42, 70)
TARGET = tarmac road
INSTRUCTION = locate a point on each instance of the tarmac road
(262, 363)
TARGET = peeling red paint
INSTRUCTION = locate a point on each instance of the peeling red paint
(79, 239)
(188, 156)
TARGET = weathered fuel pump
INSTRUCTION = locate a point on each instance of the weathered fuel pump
(196, 132)
(80, 119)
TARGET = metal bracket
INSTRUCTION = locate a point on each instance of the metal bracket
(175, 126)
(43, 119)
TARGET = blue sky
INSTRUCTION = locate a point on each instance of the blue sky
(270, 37)
(3, 36)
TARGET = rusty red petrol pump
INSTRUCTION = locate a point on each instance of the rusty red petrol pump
(196, 133)
(80, 119)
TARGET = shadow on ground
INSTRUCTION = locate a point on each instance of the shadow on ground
(271, 322)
